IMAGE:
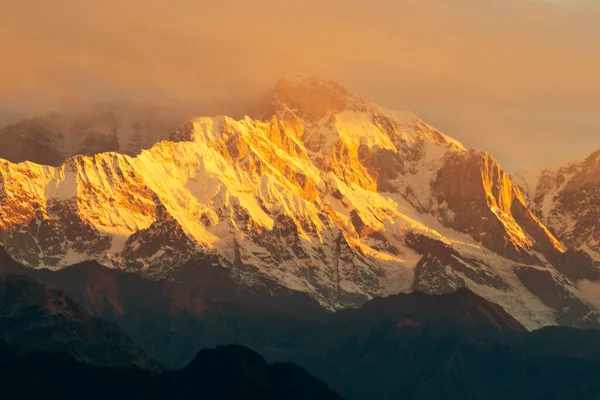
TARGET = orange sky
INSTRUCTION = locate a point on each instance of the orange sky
(519, 78)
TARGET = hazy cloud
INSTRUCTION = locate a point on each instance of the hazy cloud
(590, 292)
(518, 78)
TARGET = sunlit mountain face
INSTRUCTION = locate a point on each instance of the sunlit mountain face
(320, 192)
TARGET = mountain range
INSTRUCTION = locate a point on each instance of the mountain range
(414, 346)
(320, 193)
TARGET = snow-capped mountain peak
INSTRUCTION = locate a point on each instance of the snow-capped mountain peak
(326, 194)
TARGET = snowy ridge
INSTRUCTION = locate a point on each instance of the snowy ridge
(565, 197)
(325, 194)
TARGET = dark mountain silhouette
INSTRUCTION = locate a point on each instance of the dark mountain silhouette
(231, 372)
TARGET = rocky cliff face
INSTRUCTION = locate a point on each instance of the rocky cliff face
(324, 193)
(567, 199)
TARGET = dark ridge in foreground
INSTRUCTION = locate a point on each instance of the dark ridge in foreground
(231, 372)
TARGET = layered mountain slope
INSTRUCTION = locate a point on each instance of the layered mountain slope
(408, 346)
(567, 199)
(34, 316)
(172, 321)
(324, 193)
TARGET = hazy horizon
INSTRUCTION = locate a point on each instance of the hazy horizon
(517, 78)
